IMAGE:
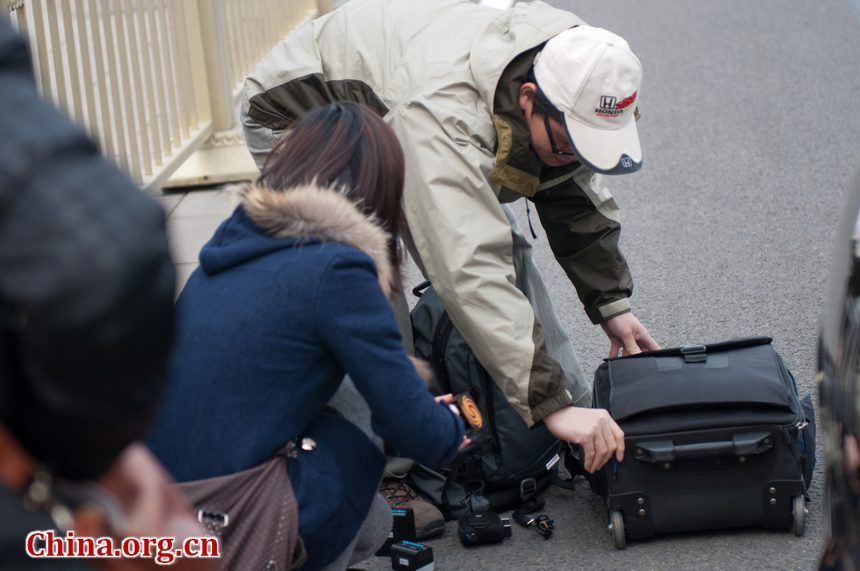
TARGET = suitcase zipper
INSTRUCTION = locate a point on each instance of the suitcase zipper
(791, 384)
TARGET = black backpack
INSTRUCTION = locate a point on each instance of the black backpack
(508, 463)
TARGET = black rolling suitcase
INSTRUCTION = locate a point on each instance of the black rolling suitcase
(716, 437)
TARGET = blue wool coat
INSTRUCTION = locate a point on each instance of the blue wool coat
(286, 301)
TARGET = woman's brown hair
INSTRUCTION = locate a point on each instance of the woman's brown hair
(348, 146)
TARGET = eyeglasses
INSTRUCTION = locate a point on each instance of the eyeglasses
(555, 149)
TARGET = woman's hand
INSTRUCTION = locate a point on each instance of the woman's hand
(449, 400)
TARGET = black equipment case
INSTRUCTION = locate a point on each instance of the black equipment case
(716, 437)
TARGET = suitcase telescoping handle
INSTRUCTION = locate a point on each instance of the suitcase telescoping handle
(744, 444)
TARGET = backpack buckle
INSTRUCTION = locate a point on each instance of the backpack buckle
(528, 489)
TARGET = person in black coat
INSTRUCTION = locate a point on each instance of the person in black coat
(86, 314)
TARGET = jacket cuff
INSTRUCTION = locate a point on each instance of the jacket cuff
(552, 404)
(606, 312)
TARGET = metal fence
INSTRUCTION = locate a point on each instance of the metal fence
(151, 80)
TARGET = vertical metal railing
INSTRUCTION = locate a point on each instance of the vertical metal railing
(250, 29)
(151, 80)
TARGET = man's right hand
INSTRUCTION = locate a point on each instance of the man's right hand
(591, 428)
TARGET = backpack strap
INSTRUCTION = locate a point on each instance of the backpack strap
(439, 343)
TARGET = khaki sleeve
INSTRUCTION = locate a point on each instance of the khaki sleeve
(583, 228)
(465, 246)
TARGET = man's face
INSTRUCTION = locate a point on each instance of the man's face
(544, 131)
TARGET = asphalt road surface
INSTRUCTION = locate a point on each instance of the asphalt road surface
(751, 137)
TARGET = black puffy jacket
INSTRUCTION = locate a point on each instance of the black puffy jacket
(86, 285)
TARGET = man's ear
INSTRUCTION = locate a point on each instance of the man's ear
(528, 92)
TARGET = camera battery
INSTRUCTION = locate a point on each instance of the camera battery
(402, 529)
(411, 556)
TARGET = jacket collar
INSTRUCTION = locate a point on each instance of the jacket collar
(319, 212)
(502, 56)
(517, 167)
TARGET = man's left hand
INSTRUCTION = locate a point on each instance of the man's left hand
(627, 333)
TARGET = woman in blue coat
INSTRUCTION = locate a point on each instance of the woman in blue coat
(290, 296)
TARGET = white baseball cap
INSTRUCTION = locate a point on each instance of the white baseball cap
(592, 77)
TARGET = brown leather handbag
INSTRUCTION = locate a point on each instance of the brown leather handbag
(254, 514)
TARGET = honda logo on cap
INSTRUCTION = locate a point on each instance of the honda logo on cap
(611, 108)
(607, 102)
(626, 162)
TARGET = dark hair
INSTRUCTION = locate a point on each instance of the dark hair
(348, 146)
(543, 106)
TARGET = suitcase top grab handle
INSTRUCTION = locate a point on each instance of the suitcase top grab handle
(744, 444)
(741, 374)
(697, 353)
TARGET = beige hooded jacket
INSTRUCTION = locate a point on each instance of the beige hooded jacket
(444, 75)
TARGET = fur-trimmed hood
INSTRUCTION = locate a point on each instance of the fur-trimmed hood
(305, 212)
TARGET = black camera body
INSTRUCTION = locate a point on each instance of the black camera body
(483, 528)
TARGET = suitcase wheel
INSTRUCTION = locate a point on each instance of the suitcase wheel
(616, 526)
(798, 515)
